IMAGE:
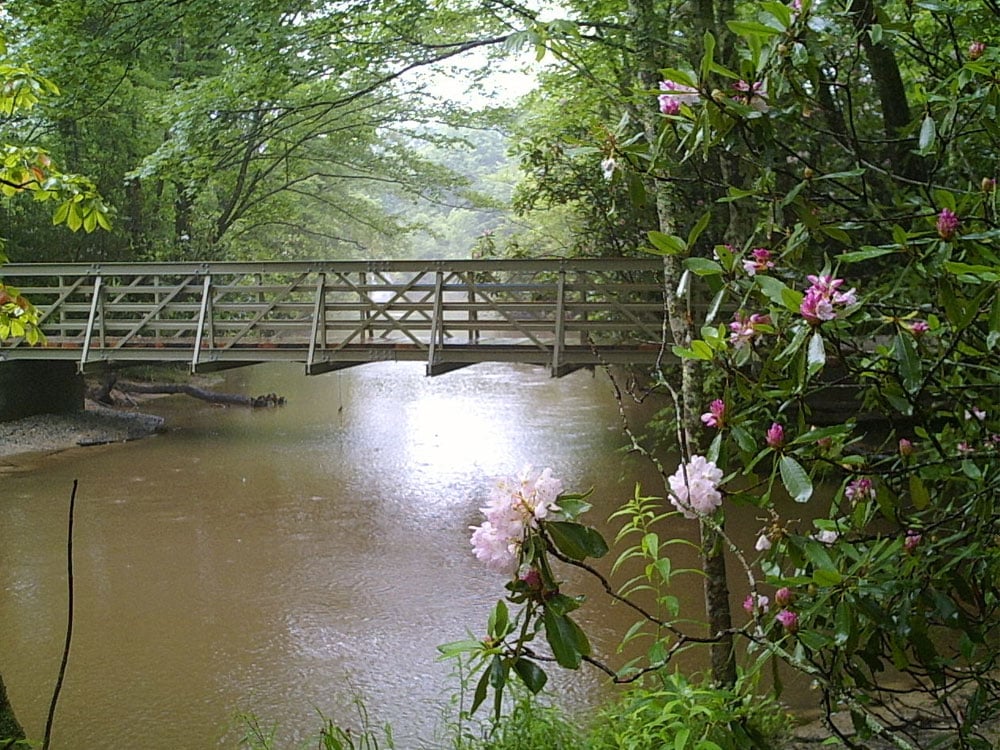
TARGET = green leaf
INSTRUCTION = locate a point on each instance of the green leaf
(772, 288)
(910, 369)
(456, 648)
(752, 28)
(567, 641)
(481, 687)
(708, 59)
(816, 354)
(918, 492)
(795, 479)
(848, 174)
(866, 253)
(843, 623)
(531, 674)
(702, 266)
(666, 244)
(576, 541)
(498, 625)
(698, 228)
(928, 133)
(827, 577)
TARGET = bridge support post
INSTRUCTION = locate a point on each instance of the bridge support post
(31, 387)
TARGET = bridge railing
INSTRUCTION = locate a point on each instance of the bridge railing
(562, 314)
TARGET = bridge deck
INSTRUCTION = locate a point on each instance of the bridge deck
(329, 315)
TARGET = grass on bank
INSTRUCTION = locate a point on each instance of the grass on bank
(675, 715)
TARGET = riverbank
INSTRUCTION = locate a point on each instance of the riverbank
(96, 425)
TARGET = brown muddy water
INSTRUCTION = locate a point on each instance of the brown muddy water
(281, 562)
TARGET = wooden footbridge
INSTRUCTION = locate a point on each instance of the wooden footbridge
(328, 315)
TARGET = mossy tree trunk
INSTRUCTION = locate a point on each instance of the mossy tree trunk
(645, 25)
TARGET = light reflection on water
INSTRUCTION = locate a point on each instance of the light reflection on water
(276, 560)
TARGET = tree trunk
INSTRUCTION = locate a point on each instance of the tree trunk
(644, 25)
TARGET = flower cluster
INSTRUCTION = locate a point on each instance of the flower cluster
(860, 489)
(760, 603)
(513, 509)
(753, 94)
(823, 298)
(694, 487)
(744, 329)
(759, 261)
(676, 95)
(716, 414)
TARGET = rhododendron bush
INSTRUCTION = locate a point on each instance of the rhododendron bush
(833, 310)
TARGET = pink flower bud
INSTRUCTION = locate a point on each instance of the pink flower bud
(532, 578)
(905, 447)
(947, 224)
(789, 620)
(988, 185)
(775, 436)
(976, 50)
(783, 596)
(911, 541)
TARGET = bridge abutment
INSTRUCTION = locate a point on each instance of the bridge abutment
(29, 387)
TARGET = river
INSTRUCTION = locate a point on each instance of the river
(281, 562)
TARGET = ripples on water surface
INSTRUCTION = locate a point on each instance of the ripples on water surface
(274, 561)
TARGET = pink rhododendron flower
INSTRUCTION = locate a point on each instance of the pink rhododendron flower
(860, 489)
(716, 414)
(743, 329)
(694, 487)
(759, 262)
(676, 94)
(788, 619)
(497, 548)
(919, 327)
(513, 507)
(775, 436)
(947, 224)
(823, 298)
(752, 94)
(783, 596)
(911, 541)
(761, 604)
(976, 50)
(975, 413)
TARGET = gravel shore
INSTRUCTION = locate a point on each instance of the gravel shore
(96, 425)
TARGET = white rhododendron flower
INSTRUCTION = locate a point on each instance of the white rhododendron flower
(694, 487)
(513, 507)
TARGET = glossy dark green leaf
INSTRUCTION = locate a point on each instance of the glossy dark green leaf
(575, 540)
(795, 479)
(532, 675)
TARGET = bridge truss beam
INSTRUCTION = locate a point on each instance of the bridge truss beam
(328, 315)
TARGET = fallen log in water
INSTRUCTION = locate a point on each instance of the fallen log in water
(103, 393)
